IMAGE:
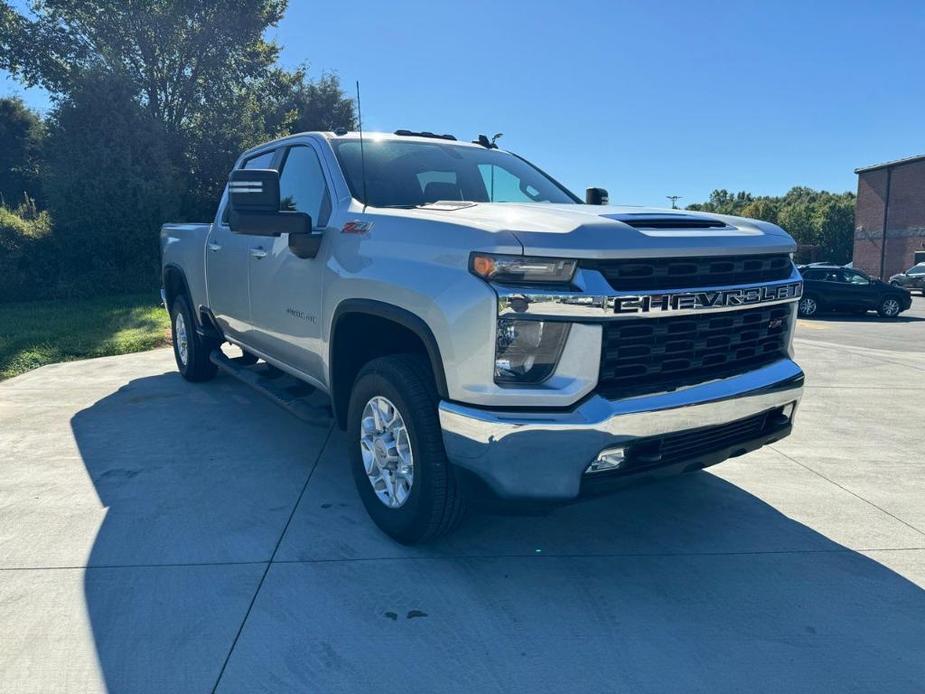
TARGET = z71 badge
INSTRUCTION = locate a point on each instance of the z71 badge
(356, 227)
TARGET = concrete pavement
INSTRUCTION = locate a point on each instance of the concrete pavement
(162, 536)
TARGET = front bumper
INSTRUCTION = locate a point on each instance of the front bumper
(543, 455)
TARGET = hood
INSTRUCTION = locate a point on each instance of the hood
(601, 231)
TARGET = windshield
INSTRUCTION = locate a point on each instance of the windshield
(408, 174)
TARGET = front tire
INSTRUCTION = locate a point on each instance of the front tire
(400, 468)
(190, 351)
(889, 307)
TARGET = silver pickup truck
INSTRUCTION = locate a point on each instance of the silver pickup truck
(479, 329)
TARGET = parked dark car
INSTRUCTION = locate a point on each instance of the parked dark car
(831, 287)
(913, 278)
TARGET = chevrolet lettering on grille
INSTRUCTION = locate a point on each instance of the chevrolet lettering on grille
(695, 301)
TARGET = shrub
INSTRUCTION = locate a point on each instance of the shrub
(28, 261)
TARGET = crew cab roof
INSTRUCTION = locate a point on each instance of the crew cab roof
(376, 136)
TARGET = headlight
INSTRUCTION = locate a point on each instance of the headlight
(527, 351)
(522, 269)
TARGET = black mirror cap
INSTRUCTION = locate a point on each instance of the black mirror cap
(597, 196)
(254, 190)
(269, 223)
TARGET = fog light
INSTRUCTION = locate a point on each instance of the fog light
(609, 459)
(787, 410)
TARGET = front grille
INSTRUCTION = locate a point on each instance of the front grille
(689, 444)
(647, 354)
(692, 443)
(688, 273)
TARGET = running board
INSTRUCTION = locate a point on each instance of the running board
(300, 399)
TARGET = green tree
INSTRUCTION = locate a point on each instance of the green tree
(196, 67)
(320, 104)
(178, 55)
(109, 186)
(201, 68)
(21, 133)
(818, 220)
(833, 220)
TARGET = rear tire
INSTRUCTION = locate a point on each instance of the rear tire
(397, 394)
(189, 349)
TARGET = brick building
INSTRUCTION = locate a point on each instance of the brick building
(891, 196)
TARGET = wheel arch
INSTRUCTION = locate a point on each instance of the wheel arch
(405, 331)
(175, 283)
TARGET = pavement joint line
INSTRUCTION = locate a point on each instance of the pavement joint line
(456, 557)
(167, 565)
(844, 488)
(266, 570)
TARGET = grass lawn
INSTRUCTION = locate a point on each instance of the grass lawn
(36, 333)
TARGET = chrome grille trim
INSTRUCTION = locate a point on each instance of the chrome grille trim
(551, 304)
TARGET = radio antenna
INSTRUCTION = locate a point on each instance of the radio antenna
(362, 152)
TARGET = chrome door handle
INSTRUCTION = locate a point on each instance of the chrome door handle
(214, 247)
(258, 253)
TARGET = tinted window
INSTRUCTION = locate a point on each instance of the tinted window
(261, 161)
(814, 274)
(855, 277)
(916, 270)
(302, 187)
(409, 173)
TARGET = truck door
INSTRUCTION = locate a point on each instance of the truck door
(227, 265)
(285, 290)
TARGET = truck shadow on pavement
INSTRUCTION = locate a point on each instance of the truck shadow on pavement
(691, 583)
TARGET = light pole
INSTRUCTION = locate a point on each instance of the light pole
(674, 199)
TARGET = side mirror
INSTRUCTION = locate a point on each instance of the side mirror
(254, 201)
(597, 196)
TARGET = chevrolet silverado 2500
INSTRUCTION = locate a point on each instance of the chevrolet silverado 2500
(476, 326)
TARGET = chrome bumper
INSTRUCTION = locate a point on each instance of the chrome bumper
(543, 455)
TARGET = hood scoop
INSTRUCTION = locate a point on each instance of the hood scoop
(668, 221)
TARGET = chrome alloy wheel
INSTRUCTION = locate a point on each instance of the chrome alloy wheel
(808, 306)
(890, 307)
(179, 327)
(386, 449)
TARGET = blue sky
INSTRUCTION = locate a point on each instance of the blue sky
(643, 98)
